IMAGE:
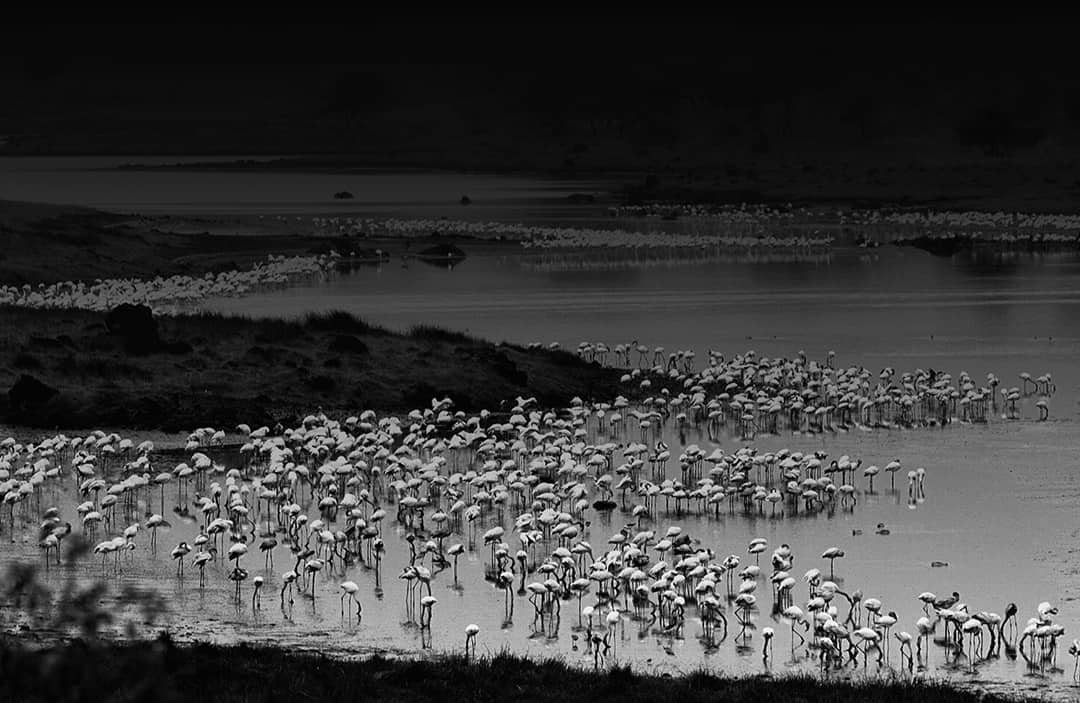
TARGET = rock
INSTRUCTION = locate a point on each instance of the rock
(343, 195)
(136, 325)
(466, 200)
(28, 392)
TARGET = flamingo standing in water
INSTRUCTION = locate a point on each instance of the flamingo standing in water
(349, 589)
(471, 631)
(870, 472)
(1009, 620)
(892, 467)
(795, 614)
(905, 643)
(153, 523)
(870, 638)
(925, 628)
(426, 605)
(456, 550)
(288, 581)
(238, 575)
(832, 554)
(200, 561)
(256, 595)
(312, 568)
(178, 553)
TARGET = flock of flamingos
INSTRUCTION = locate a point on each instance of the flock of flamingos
(525, 490)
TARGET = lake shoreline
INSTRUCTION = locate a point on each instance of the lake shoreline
(99, 671)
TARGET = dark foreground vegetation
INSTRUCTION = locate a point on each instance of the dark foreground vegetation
(165, 672)
(70, 369)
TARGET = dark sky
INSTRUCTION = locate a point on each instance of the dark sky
(674, 75)
(540, 41)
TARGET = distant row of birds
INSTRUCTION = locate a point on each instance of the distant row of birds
(323, 492)
(537, 236)
(163, 294)
(930, 220)
(753, 394)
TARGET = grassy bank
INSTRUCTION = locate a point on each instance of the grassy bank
(220, 371)
(165, 672)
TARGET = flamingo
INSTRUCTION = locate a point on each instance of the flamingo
(905, 643)
(238, 575)
(795, 615)
(200, 560)
(925, 628)
(471, 631)
(178, 553)
(153, 523)
(892, 467)
(288, 579)
(256, 595)
(312, 568)
(870, 638)
(1010, 619)
(832, 554)
(426, 605)
(349, 589)
(870, 472)
(456, 550)
(885, 622)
